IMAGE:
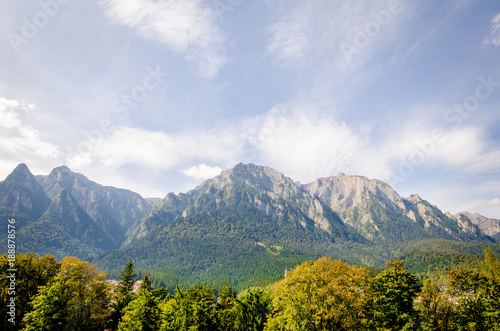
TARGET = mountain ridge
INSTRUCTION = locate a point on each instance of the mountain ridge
(74, 206)
(247, 211)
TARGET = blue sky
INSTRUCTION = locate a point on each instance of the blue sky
(156, 96)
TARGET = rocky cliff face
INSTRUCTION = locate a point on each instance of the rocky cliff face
(262, 187)
(488, 226)
(376, 211)
(343, 192)
(20, 193)
(95, 218)
(85, 217)
(115, 210)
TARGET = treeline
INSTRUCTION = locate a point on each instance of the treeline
(325, 294)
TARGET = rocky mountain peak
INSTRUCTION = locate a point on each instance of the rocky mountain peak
(23, 177)
(21, 192)
(62, 174)
(415, 198)
(260, 177)
(489, 226)
(344, 191)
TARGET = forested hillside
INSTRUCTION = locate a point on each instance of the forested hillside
(324, 294)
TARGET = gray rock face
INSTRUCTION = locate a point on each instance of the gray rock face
(92, 217)
(21, 193)
(488, 226)
(115, 210)
(343, 192)
(265, 188)
(375, 210)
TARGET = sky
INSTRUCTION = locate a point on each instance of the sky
(158, 95)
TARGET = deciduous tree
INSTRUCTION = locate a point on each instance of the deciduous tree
(76, 299)
(394, 293)
(324, 295)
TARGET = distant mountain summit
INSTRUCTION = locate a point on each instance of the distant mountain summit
(247, 213)
(22, 195)
(380, 214)
(488, 226)
(65, 213)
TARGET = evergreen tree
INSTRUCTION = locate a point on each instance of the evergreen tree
(194, 309)
(225, 311)
(145, 285)
(142, 313)
(252, 310)
(490, 266)
(125, 286)
(127, 279)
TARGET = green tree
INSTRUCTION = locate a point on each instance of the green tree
(324, 295)
(193, 309)
(225, 312)
(32, 272)
(394, 292)
(251, 310)
(127, 279)
(143, 312)
(435, 307)
(76, 299)
(477, 300)
(126, 282)
(145, 285)
(490, 266)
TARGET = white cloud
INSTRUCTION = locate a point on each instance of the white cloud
(468, 149)
(494, 202)
(312, 32)
(304, 143)
(288, 41)
(128, 146)
(9, 118)
(202, 171)
(157, 150)
(494, 37)
(21, 143)
(186, 26)
(300, 139)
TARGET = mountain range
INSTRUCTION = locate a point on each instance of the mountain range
(242, 227)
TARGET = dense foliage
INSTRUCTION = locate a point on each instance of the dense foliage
(326, 294)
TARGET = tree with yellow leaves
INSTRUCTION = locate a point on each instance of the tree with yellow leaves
(76, 299)
(324, 295)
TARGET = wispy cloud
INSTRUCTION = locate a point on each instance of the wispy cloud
(312, 33)
(20, 141)
(185, 26)
(494, 202)
(494, 37)
(301, 139)
(160, 151)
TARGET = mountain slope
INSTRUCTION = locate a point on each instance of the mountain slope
(488, 226)
(22, 195)
(65, 213)
(114, 210)
(244, 209)
(379, 214)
